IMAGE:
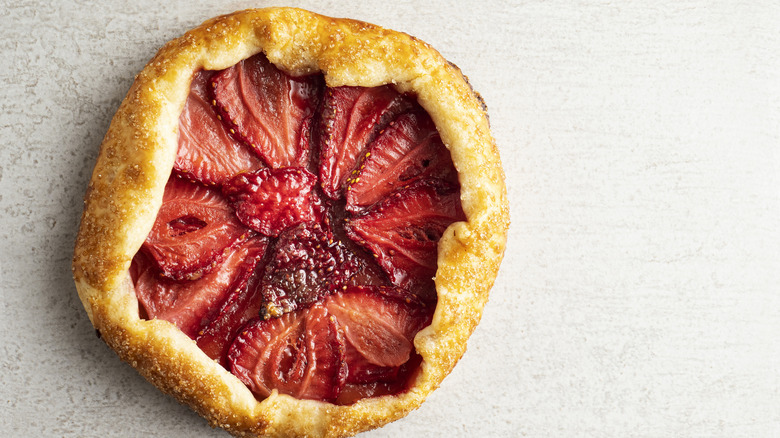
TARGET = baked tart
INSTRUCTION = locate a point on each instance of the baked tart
(293, 223)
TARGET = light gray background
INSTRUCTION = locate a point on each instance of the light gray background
(639, 293)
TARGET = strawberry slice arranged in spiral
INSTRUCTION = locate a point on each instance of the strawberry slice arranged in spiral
(300, 354)
(378, 327)
(193, 231)
(241, 304)
(360, 337)
(410, 149)
(268, 109)
(351, 118)
(207, 151)
(403, 230)
(190, 305)
(300, 251)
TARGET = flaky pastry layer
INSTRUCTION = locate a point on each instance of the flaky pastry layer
(136, 158)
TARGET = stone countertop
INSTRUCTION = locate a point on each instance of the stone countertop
(639, 294)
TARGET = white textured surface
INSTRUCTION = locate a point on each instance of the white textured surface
(641, 140)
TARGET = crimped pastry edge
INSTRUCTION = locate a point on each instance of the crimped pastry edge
(136, 159)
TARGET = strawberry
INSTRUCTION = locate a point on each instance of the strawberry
(190, 304)
(300, 354)
(301, 308)
(241, 305)
(306, 264)
(193, 231)
(378, 328)
(389, 383)
(408, 150)
(272, 200)
(403, 230)
(350, 119)
(268, 109)
(207, 152)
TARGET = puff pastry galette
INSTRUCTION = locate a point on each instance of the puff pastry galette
(293, 223)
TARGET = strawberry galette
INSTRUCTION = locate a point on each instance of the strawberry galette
(293, 223)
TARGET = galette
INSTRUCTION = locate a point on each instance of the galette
(293, 223)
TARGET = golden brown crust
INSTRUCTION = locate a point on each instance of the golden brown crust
(137, 157)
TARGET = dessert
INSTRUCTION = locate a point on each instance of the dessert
(293, 223)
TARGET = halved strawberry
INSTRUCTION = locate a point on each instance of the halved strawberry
(403, 230)
(207, 152)
(272, 200)
(194, 228)
(388, 384)
(351, 118)
(268, 109)
(242, 304)
(379, 328)
(190, 305)
(306, 264)
(408, 150)
(300, 354)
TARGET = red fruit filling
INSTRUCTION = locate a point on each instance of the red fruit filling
(402, 231)
(307, 263)
(300, 354)
(360, 339)
(379, 329)
(311, 276)
(194, 229)
(350, 119)
(268, 109)
(409, 149)
(207, 151)
(241, 304)
(271, 200)
(191, 304)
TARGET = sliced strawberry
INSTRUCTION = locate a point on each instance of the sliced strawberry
(351, 118)
(379, 329)
(369, 273)
(307, 264)
(190, 304)
(389, 384)
(403, 231)
(300, 354)
(194, 228)
(207, 152)
(408, 150)
(241, 305)
(272, 200)
(268, 109)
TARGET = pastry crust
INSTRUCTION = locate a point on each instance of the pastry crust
(136, 159)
